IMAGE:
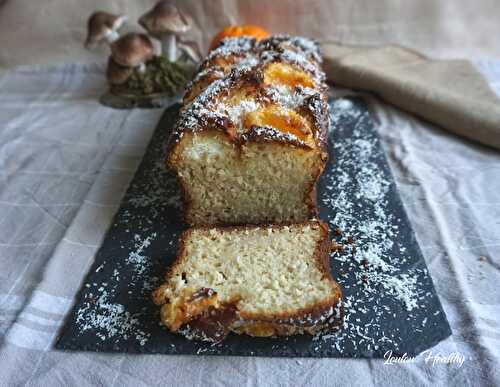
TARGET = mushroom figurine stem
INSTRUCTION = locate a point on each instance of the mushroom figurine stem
(169, 47)
(113, 32)
(112, 36)
(103, 27)
(141, 68)
(166, 23)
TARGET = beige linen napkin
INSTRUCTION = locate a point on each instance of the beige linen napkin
(449, 93)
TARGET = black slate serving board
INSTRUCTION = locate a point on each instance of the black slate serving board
(390, 301)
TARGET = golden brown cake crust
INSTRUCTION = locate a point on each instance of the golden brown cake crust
(325, 315)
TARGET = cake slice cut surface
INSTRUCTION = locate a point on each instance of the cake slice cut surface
(261, 281)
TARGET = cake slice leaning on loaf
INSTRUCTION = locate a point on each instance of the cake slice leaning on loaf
(260, 281)
(250, 141)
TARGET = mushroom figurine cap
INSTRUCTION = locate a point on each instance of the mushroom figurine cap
(103, 25)
(117, 74)
(132, 50)
(165, 18)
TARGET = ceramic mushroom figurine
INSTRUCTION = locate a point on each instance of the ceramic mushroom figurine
(190, 49)
(117, 74)
(132, 50)
(131, 83)
(103, 26)
(166, 22)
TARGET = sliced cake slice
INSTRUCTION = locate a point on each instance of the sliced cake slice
(261, 281)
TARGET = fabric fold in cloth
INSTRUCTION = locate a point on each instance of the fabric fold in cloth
(449, 93)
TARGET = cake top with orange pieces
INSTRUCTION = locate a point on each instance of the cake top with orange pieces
(267, 90)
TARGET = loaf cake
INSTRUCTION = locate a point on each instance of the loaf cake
(255, 280)
(250, 141)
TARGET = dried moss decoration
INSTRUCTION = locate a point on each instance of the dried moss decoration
(161, 76)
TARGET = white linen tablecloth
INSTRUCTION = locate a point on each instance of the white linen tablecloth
(65, 162)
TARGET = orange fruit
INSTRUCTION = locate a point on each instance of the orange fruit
(239, 30)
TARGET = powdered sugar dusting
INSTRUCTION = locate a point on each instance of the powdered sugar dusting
(272, 133)
(231, 46)
(287, 97)
(307, 47)
(236, 113)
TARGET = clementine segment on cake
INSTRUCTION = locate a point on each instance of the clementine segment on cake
(283, 74)
(284, 120)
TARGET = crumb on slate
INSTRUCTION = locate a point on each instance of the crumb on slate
(336, 246)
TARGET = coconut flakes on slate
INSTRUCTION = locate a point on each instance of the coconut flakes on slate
(111, 320)
(373, 260)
